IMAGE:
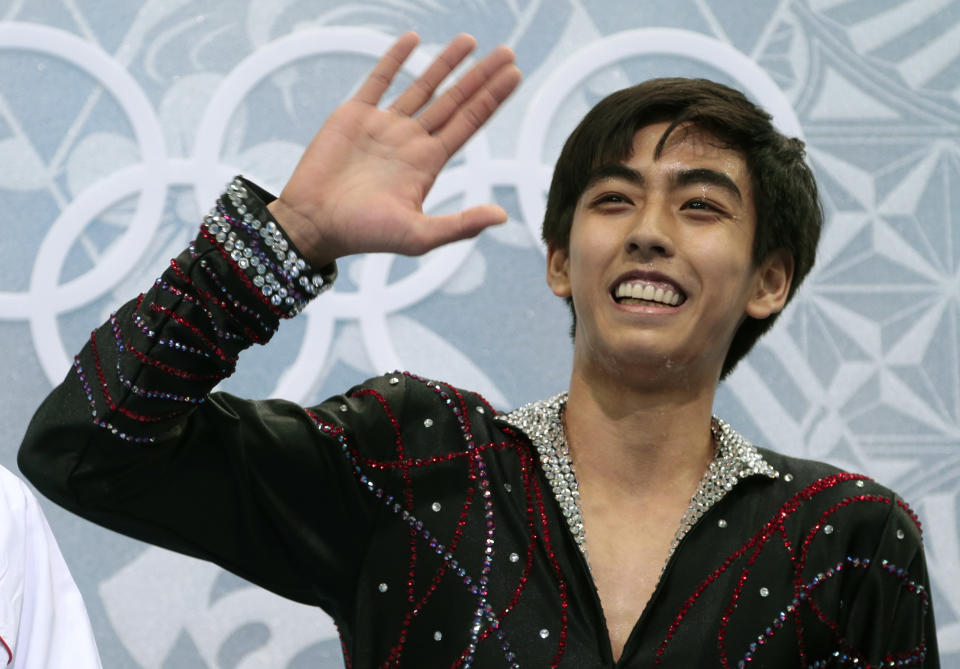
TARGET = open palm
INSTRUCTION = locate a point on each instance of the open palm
(361, 183)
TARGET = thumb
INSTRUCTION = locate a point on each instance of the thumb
(465, 224)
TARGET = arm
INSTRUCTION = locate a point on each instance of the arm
(132, 439)
(891, 615)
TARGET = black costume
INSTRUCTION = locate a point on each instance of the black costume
(434, 531)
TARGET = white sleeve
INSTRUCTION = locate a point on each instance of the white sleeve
(43, 622)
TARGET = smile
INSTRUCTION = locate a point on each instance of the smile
(634, 292)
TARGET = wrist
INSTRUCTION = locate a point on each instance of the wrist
(302, 234)
(249, 238)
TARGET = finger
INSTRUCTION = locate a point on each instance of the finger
(436, 231)
(447, 104)
(478, 109)
(386, 69)
(421, 90)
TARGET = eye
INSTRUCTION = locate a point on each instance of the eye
(699, 204)
(611, 198)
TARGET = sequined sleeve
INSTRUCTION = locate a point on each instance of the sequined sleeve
(133, 439)
(157, 357)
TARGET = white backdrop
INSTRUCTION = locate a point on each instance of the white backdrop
(121, 119)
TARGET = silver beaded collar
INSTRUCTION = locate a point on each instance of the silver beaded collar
(542, 422)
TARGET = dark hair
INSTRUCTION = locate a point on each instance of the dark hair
(788, 211)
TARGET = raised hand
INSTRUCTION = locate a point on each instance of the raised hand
(361, 183)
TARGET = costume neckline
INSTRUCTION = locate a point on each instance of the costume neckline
(542, 422)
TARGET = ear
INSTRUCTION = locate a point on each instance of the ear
(558, 270)
(773, 285)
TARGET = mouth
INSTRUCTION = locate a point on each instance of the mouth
(636, 291)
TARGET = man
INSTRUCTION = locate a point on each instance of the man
(618, 524)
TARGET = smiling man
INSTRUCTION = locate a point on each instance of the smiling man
(659, 267)
(616, 524)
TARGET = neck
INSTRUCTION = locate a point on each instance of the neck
(639, 436)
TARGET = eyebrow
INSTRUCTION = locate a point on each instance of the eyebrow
(614, 171)
(703, 175)
(679, 179)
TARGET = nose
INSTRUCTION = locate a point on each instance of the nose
(651, 233)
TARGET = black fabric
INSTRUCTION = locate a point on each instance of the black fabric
(369, 505)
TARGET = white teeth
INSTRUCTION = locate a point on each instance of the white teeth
(645, 291)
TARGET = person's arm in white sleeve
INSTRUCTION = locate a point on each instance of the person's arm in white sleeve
(43, 622)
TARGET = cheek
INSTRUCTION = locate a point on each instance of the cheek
(594, 245)
(585, 286)
(723, 255)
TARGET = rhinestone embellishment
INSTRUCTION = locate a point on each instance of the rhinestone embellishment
(262, 252)
(828, 529)
(382, 587)
(542, 422)
(764, 591)
(721, 523)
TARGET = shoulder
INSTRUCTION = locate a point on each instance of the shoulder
(403, 410)
(409, 397)
(17, 503)
(14, 493)
(808, 477)
(830, 500)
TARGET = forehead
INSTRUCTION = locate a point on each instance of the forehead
(688, 156)
(685, 143)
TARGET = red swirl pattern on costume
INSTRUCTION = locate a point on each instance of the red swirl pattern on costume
(402, 503)
(218, 326)
(802, 590)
